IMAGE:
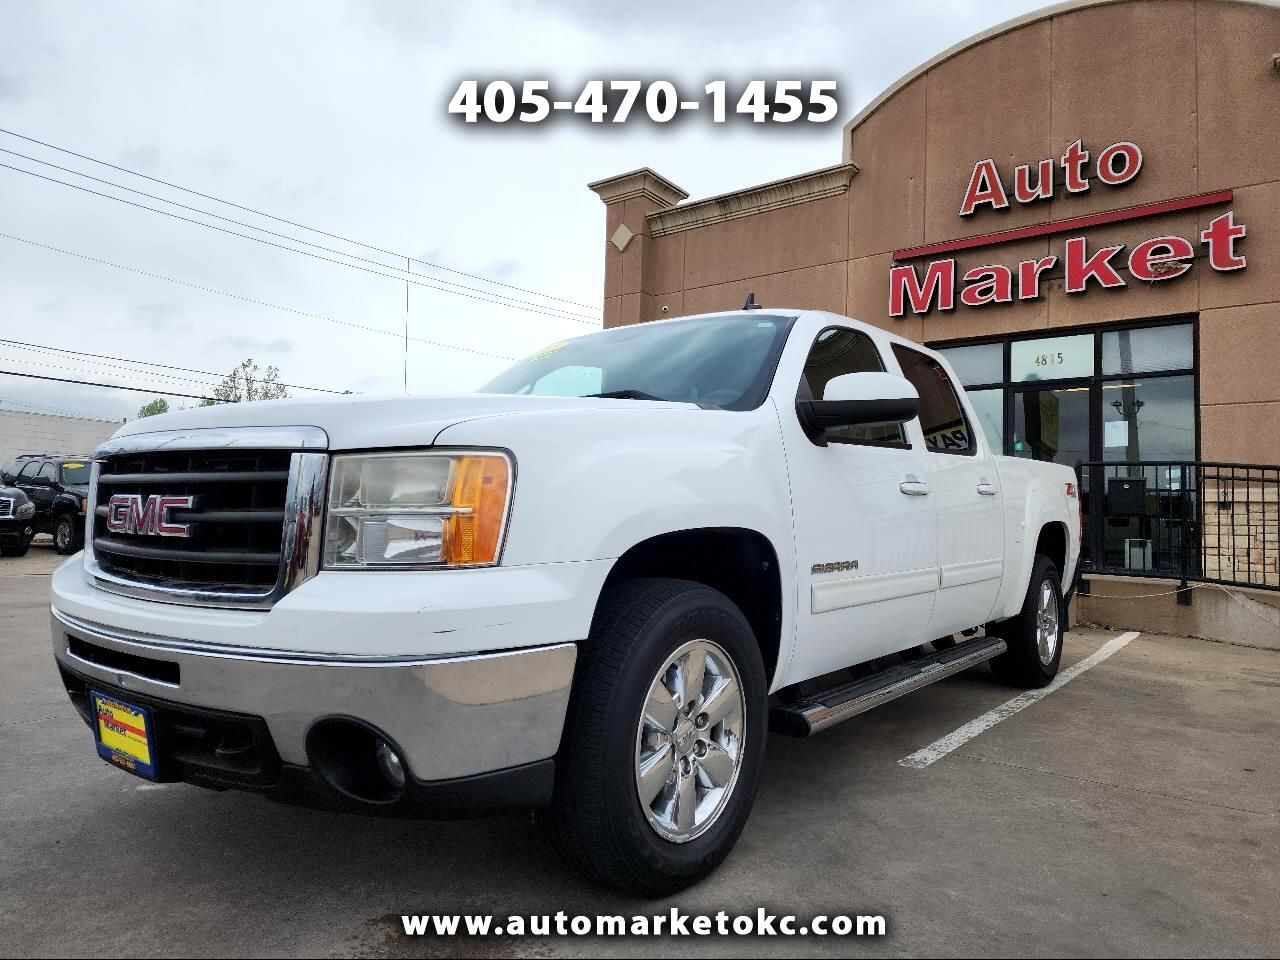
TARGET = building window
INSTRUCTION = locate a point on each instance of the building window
(1114, 395)
(1148, 350)
(1149, 419)
(1051, 358)
(981, 363)
(989, 407)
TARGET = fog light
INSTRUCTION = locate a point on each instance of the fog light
(390, 765)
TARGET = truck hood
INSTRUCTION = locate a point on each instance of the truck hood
(358, 422)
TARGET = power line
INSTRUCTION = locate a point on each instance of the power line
(41, 408)
(245, 299)
(163, 366)
(496, 299)
(292, 223)
(111, 386)
(95, 366)
(250, 226)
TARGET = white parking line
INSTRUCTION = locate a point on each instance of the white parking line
(957, 738)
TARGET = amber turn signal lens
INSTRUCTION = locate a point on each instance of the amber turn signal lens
(480, 486)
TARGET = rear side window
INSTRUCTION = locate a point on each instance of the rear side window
(946, 429)
(835, 352)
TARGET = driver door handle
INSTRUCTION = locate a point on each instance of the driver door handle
(913, 487)
(987, 489)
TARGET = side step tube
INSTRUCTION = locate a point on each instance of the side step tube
(827, 708)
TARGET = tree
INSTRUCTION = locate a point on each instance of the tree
(158, 405)
(246, 382)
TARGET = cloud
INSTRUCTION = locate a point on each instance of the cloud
(13, 88)
(251, 346)
(145, 157)
(160, 317)
(407, 23)
(334, 116)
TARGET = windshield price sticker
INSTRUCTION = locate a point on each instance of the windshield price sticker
(660, 101)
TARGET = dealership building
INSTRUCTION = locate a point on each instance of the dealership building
(1081, 208)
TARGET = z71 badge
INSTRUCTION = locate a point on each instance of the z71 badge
(838, 566)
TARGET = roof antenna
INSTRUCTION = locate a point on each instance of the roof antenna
(751, 302)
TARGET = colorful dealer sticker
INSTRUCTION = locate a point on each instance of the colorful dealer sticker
(72, 466)
(123, 732)
(546, 351)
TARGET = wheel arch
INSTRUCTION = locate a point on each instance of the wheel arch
(1052, 543)
(739, 562)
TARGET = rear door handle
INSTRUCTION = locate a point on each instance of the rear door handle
(913, 487)
(987, 489)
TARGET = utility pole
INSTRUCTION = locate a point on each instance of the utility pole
(408, 268)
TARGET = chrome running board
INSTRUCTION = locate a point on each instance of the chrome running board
(828, 707)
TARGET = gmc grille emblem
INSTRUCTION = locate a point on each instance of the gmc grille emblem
(131, 513)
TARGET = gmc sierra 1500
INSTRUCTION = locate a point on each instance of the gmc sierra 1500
(592, 586)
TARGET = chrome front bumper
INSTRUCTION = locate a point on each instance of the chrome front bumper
(452, 717)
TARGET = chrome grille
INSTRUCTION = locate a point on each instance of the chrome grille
(6, 507)
(235, 524)
(252, 531)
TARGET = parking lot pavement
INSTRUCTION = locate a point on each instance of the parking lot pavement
(1131, 811)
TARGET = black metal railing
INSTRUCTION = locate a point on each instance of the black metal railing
(1187, 520)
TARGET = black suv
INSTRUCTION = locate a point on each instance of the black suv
(58, 486)
(16, 531)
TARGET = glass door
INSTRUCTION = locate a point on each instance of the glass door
(1051, 423)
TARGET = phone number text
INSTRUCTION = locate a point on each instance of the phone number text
(617, 101)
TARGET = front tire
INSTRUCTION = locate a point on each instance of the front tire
(1034, 636)
(66, 535)
(16, 549)
(664, 738)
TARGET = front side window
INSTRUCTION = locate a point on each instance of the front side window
(726, 362)
(946, 429)
(835, 352)
(46, 472)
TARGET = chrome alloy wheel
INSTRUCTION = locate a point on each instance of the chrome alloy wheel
(689, 741)
(62, 535)
(1047, 623)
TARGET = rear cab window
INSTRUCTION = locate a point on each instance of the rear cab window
(942, 418)
(75, 472)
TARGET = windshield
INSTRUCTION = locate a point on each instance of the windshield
(723, 362)
(75, 471)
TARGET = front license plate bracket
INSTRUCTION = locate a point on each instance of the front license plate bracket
(124, 734)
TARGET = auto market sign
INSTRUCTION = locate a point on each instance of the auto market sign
(929, 280)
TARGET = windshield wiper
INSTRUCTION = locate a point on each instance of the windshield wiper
(626, 395)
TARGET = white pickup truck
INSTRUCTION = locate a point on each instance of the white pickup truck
(593, 586)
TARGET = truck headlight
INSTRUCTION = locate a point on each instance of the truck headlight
(402, 510)
(26, 511)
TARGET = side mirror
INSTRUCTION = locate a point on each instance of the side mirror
(859, 400)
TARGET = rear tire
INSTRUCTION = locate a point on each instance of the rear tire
(649, 639)
(66, 535)
(1034, 636)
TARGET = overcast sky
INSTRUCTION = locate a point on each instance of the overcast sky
(332, 114)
